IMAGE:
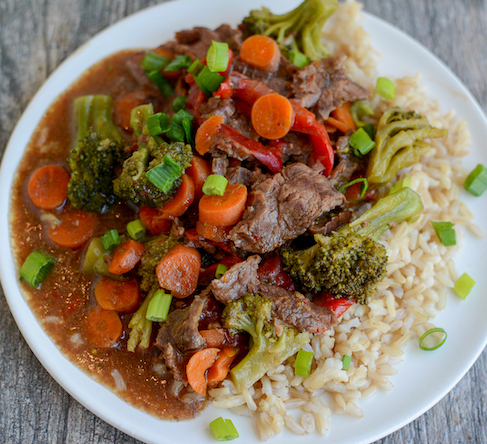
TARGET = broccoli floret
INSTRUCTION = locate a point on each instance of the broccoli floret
(140, 326)
(299, 29)
(133, 184)
(253, 314)
(97, 151)
(154, 250)
(350, 263)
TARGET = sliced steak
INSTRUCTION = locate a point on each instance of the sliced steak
(282, 207)
(326, 224)
(347, 164)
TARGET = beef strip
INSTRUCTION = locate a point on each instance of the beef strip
(325, 225)
(219, 164)
(347, 164)
(297, 311)
(323, 85)
(282, 207)
(235, 281)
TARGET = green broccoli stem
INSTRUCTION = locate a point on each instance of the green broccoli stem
(138, 123)
(93, 113)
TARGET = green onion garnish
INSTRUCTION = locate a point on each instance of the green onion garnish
(432, 343)
(385, 88)
(359, 110)
(208, 81)
(110, 239)
(181, 114)
(223, 429)
(158, 123)
(445, 232)
(179, 62)
(186, 124)
(297, 58)
(164, 174)
(463, 285)
(215, 185)
(217, 56)
(363, 188)
(154, 62)
(176, 132)
(179, 103)
(220, 270)
(361, 142)
(136, 229)
(476, 181)
(302, 366)
(403, 183)
(159, 306)
(346, 360)
(36, 268)
(195, 68)
(161, 82)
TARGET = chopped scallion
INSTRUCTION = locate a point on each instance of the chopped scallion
(158, 123)
(302, 366)
(361, 142)
(161, 82)
(36, 268)
(159, 306)
(359, 110)
(435, 341)
(186, 124)
(179, 103)
(110, 239)
(223, 429)
(176, 132)
(346, 360)
(220, 270)
(369, 129)
(179, 62)
(181, 114)
(195, 68)
(136, 229)
(403, 183)
(476, 181)
(215, 185)
(154, 62)
(164, 174)
(208, 81)
(385, 88)
(363, 188)
(217, 56)
(297, 58)
(463, 285)
(445, 232)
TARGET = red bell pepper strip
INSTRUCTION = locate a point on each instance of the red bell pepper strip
(338, 306)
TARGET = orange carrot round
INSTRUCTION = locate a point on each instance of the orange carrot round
(182, 200)
(154, 220)
(74, 230)
(48, 187)
(103, 328)
(197, 366)
(272, 116)
(262, 52)
(212, 232)
(199, 170)
(214, 337)
(123, 106)
(178, 270)
(226, 210)
(121, 296)
(125, 257)
(205, 133)
(219, 370)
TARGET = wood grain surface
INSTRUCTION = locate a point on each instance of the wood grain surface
(35, 37)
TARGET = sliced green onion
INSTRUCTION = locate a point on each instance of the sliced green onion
(346, 360)
(403, 183)
(363, 188)
(136, 229)
(182, 114)
(476, 181)
(154, 62)
(176, 132)
(223, 429)
(186, 124)
(208, 81)
(297, 58)
(369, 129)
(359, 110)
(220, 270)
(195, 68)
(302, 366)
(179, 62)
(445, 232)
(215, 185)
(217, 56)
(385, 88)
(361, 142)
(164, 174)
(179, 103)
(110, 239)
(161, 82)
(158, 123)
(159, 306)
(434, 342)
(463, 285)
(36, 268)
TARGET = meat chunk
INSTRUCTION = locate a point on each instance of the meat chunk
(282, 207)
(323, 85)
(235, 281)
(297, 311)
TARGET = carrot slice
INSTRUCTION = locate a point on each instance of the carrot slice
(182, 200)
(123, 105)
(214, 337)
(212, 232)
(48, 187)
(262, 52)
(75, 229)
(219, 370)
(226, 210)
(154, 220)
(197, 366)
(272, 116)
(103, 328)
(178, 270)
(205, 133)
(125, 257)
(342, 118)
(199, 170)
(121, 296)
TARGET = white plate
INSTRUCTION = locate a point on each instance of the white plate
(423, 379)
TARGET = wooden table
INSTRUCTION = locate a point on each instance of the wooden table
(35, 37)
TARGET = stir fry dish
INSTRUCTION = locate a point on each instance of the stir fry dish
(239, 217)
